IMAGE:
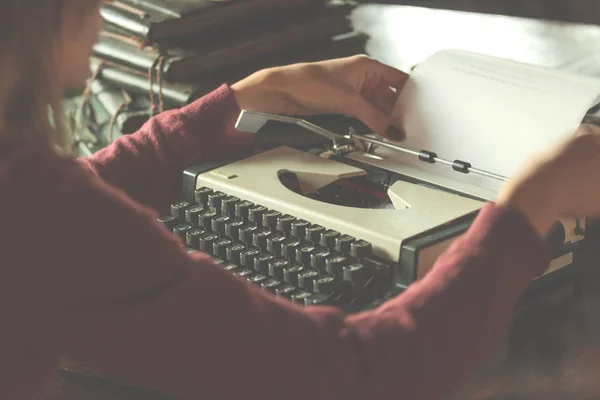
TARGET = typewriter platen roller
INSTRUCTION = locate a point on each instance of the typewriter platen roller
(328, 226)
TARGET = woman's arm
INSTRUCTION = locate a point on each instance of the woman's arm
(122, 294)
(148, 164)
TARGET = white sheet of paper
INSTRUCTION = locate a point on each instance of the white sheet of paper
(490, 112)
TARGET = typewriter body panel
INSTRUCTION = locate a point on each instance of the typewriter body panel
(403, 219)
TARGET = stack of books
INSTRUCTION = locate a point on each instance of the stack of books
(155, 55)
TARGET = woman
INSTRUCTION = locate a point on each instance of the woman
(88, 273)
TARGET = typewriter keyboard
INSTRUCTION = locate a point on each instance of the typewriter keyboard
(303, 262)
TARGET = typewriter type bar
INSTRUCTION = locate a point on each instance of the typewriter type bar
(250, 121)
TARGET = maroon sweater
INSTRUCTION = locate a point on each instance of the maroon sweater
(88, 273)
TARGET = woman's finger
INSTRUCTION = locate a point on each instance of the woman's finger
(391, 76)
(383, 97)
(353, 104)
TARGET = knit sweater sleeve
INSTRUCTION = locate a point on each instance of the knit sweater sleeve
(148, 164)
(119, 292)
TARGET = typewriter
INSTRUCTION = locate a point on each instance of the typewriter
(334, 225)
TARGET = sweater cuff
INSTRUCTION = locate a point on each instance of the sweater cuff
(218, 111)
(509, 228)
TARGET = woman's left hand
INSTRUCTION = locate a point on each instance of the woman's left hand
(356, 86)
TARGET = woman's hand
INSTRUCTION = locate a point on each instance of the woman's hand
(356, 86)
(563, 182)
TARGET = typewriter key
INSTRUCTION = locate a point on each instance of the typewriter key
(313, 233)
(360, 249)
(205, 219)
(241, 209)
(290, 274)
(169, 222)
(191, 215)
(261, 263)
(255, 214)
(201, 195)
(307, 279)
(247, 257)
(299, 228)
(181, 230)
(328, 239)
(276, 269)
(178, 210)
(284, 224)
(228, 206)
(214, 201)
(335, 265)
(207, 241)
(192, 238)
(318, 260)
(219, 248)
(274, 244)
(259, 238)
(218, 225)
(232, 254)
(343, 243)
(269, 219)
(303, 255)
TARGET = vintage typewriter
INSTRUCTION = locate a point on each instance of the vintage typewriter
(333, 225)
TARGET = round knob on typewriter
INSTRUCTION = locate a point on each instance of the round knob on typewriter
(255, 214)
(228, 206)
(299, 228)
(360, 249)
(178, 210)
(328, 239)
(214, 201)
(343, 243)
(201, 195)
(313, 233)
(241, 209)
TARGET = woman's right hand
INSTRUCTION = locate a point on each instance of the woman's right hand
(565, 181)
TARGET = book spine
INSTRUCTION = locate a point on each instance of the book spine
(176, 95)
(119, 18)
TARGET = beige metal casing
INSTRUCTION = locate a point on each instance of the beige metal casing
(418, 208)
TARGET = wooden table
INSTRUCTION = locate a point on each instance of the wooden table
(552, 350)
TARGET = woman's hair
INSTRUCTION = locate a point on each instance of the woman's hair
(30, 92)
